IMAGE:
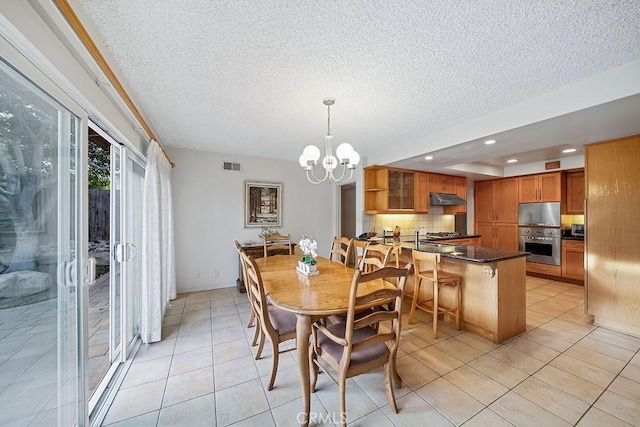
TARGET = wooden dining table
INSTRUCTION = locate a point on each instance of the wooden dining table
(311, 298)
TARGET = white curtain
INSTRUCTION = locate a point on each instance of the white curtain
(158, 251)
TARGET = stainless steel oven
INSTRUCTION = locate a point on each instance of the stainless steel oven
(544, 244)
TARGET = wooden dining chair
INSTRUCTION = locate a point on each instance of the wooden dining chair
(276, 324)
(358, 251)
(341, 247)
(375, 257)
(354, 347)
(277, 243)
(252, 314)
(426, 268)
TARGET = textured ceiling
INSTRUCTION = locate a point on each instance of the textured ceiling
(248, 76)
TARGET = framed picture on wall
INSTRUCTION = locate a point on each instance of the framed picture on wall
(262, 204)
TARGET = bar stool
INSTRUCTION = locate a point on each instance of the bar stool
(426, 268)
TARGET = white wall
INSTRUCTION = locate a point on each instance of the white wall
(209, 212)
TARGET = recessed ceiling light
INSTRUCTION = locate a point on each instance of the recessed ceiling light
(428, 157)
(512, 160)
(490, 141)
(569, 150)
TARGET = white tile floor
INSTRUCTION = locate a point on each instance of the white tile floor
(562, 371)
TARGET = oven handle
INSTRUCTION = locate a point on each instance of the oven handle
(541, 238)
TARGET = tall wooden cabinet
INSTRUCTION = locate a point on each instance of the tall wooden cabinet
(612, 285)
(496, 213)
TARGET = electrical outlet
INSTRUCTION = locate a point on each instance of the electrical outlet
(197, 275)
(215, 273)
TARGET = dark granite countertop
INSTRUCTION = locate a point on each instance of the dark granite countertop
(464, 253)
(572, 238)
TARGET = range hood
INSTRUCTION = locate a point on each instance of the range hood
(444, 199)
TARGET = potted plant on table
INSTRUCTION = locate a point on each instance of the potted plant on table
(308, 264)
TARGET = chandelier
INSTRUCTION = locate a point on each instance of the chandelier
(345, 156)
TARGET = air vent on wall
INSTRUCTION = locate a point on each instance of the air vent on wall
(231, 166)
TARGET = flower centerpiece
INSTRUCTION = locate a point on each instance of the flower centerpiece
(307, 264)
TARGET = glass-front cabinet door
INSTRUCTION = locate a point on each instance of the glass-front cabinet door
(41, 257)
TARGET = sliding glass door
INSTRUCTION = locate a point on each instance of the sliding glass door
(115, 233)
(41, 257)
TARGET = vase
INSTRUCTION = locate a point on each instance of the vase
(308, 269)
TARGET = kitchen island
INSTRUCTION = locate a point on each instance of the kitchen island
(493, 286)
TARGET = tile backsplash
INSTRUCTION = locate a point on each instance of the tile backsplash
(408, 223)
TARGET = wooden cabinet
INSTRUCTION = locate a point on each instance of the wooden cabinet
(401, 190)
(506, 236)
(496, 213)
(376, 187)
(388, 190)
(391, 190)
(461, 190)
(421, 198)
(573, 259)
(575, 192)
(545, 187)
(442, 183)
(484, 196)
(487, 232)
(612, 179)
(506, 200)
(497, 200)
(498, 235)
(546, 269)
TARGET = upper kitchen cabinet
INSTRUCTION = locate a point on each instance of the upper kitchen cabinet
(575, 192)
(388, 190)
(545, 187)
(460, 190)
(442, 183)
(401, 190)
(421, 198)
(376, 186)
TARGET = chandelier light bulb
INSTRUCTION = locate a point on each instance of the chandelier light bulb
(329, 162)
(303, 161)
(343, 152)
(354, 159)
(312, 153)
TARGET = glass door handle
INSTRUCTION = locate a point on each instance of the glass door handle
(120, 253)
(90, 270)
(66, 274)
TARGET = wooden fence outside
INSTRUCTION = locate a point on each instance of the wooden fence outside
(99, 203)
